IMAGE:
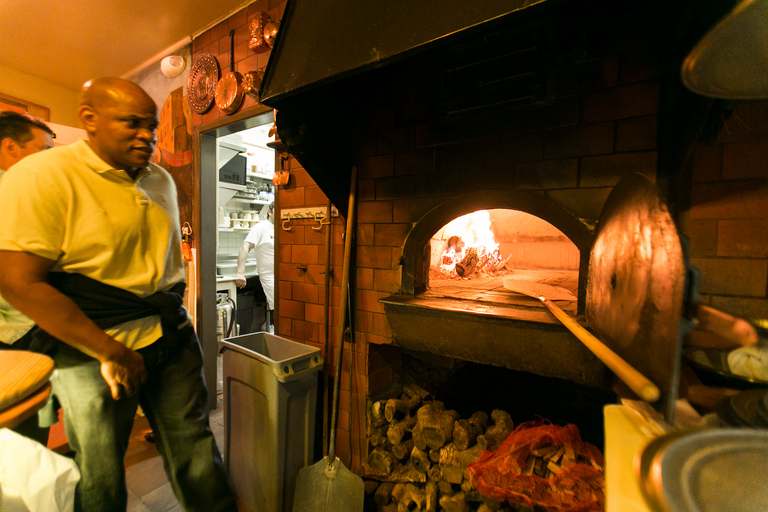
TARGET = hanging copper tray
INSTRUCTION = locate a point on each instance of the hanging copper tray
(201, 83)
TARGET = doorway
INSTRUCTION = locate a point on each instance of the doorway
(248, 134)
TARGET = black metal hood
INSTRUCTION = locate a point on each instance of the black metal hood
(321, 41)
(326, 69)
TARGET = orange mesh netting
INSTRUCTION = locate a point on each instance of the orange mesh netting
(578, 487)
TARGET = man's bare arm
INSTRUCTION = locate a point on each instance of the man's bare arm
(242, 257)
(23, 283)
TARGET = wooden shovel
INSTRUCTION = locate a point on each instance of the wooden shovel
(637, 382)
(328, 486)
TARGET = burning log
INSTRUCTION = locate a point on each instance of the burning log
(469, 263)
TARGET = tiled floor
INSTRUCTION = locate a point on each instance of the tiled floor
(148, 487)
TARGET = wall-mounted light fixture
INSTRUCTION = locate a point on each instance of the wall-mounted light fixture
(172, 66)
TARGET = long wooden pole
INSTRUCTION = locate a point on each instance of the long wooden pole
(343, 309)
(637, 382)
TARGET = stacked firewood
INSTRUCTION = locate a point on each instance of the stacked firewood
(420, 451)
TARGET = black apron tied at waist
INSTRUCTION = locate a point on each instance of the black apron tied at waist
(109, 306)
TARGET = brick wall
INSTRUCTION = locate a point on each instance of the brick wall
(728, 220)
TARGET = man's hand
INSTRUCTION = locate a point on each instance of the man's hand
(240, 280)
(124, 373)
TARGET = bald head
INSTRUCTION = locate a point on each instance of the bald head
(110, 90)
(121, 119)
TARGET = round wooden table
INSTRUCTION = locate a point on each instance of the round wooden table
(24, 386)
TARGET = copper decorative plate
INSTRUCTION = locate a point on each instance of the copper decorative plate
(201, 83)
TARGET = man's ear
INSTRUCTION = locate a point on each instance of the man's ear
(9, 147)
(87, 116)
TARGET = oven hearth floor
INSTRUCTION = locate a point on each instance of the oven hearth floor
(490, 289)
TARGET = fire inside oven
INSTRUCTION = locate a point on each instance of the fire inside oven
(487, 254)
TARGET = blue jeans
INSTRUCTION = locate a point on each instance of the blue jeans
(175, 401)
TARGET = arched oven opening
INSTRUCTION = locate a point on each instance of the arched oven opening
(474, 316)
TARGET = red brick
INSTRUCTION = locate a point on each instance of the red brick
(749, 121)
(379, 380)
(730, 276)
(376, 166)
(584, 203)
(364, 321)
(621, 102)
(314, 196)
(314, 313)
(308, 331)
(547, 174)
(743, 238)
(289, 273)
(369, 301)
(291, 197)
(314, 274)
(387, 281)
(381, 326)
(284, 252)
(749, 308)
(414, 162)
(284, 289)
(593, 139)
(745, 160)
(374, 257)
(394, 188)
(366, 190)
(291, 309)
(605, 171)
(365, 278)
(636, 133)
(376, 211)
(730, 200)
(305, 292)
(219, 31)
(707, 163)
(410, 210)
(239, 20)
(703, 237)
(283, 326)
(365, 234)
(294, 236)
(391, 234)
(300, 178)
(305, 254)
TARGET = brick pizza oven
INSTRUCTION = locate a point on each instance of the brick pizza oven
(539, 109)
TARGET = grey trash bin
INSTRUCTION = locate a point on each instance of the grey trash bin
(270, 393)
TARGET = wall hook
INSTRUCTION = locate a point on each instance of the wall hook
(319, 219)
(286, 224)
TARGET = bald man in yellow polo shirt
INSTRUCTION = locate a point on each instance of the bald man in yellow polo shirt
(92, 232)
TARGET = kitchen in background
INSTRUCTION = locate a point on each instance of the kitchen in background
(245, 189)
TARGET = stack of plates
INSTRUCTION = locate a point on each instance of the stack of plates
(706, 471)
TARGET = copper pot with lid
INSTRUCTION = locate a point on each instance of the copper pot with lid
(229, 90)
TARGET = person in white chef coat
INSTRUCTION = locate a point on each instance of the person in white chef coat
(261, 239)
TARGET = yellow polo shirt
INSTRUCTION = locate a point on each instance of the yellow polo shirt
(68, 205)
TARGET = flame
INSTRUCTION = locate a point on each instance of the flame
(466, 233)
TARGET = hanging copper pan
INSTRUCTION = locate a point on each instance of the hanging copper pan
(229, 90)
(251, 83)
